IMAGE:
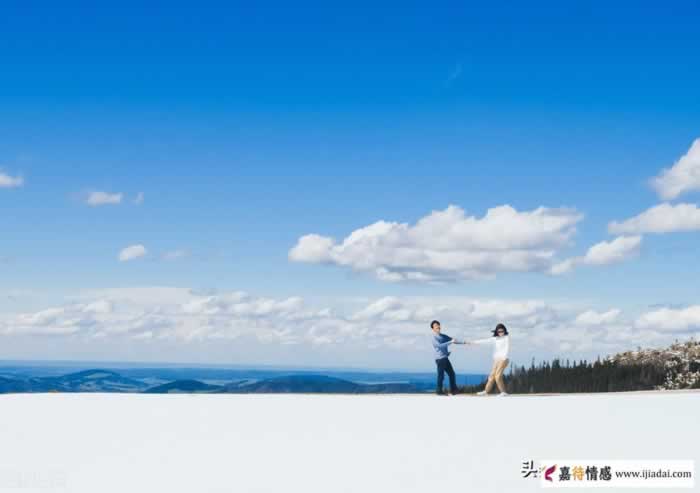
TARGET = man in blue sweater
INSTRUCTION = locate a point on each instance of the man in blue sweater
(440, 343)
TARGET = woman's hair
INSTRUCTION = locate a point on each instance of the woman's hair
(434, 322)
(500, 327)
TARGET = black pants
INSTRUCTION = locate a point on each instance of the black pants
(444, 365)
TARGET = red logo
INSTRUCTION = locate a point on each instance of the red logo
(548, 473)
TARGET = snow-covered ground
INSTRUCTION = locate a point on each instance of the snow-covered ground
(101, 443)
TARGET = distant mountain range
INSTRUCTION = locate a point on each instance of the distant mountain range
(183, 387)
(98, 380)
(319, 384)
(83, 381)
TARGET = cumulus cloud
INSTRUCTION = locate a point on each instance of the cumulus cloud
(662, 218)
(671, 319)
(132, 252)
(465, 311)
(564, 266)
(180, 314)
(312, 248)
(63, 320)
(594, 318)
(177, 314)
(172, 316)
(682, 177)
(448, 245)
(603, 253)
(95, 199)
(7, 181)
(610, 252)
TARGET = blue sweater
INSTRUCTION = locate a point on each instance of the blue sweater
(440, 344)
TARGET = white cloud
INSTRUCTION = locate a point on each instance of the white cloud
(99, 306)
(7, 181)
(448, 245)
(179, 314)
(132, 252)
(95, 199)
(143, 297)
(594, 318)
(610, 252)
(565, 266)
(682, 177)
(140, 197)
(603, 253)
(167, 317)
(176, 314)
(671, 319)
(662, 218)
(313, 249)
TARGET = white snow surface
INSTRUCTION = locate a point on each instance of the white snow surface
(102, 443)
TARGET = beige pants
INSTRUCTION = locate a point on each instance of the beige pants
(496, 375)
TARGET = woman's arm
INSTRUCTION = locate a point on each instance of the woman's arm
(488, 340)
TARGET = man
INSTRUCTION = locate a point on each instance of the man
(440, 343)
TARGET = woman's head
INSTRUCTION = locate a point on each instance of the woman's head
(500, 330)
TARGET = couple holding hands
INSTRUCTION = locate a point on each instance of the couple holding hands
(501, 351)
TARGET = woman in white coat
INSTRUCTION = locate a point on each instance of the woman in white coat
(501, 352)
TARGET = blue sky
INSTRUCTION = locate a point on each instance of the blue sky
(248, 127)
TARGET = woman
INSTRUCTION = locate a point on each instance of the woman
(501, 351)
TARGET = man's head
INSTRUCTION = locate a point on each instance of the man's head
(435, 325)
